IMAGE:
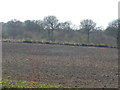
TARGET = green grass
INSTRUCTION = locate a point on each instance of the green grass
(13, 84)
(7, 83)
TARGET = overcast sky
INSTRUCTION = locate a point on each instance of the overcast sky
(100, 11)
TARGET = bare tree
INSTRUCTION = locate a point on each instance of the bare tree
(51, 23)
(14, 28)
(65, 25)
(112, 28)
(88, 25)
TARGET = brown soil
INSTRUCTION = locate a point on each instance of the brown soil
(84, 67)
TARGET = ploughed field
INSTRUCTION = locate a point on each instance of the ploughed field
(69, 66)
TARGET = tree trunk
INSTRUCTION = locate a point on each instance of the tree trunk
(49, 35)
(88, 37)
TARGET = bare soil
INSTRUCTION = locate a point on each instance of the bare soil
(70, 66)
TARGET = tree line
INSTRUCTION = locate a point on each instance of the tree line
(50, 29)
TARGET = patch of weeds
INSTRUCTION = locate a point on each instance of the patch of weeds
(7, 83)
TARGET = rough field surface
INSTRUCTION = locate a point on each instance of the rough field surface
(68, 66)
